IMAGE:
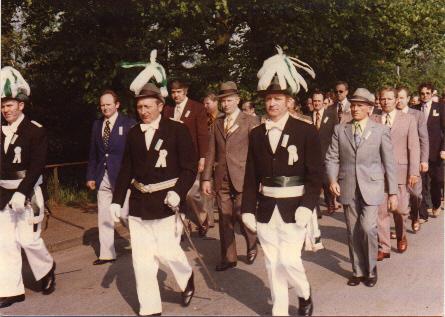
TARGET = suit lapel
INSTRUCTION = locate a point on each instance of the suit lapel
(115, 129)
(187, 109)
(220, 127)
(348, 132)
(367, 133)
(239, 122)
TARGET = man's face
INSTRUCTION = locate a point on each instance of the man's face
(402, 99)
(210, 105)
(149, 109)
(276, 106)
(108, 106)
(414, 100)
(229, 103)
(179, 95)
(425, 94)
(341, 92)
(359, 110)
(317, 101)
(247, 109)
(12, 109)
(387, 101)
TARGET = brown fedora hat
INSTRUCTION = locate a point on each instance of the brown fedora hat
(275, 88)
(227, 88)
(150, 90)
(363, 95)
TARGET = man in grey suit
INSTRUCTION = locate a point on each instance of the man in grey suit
(358, 162)
(419, 214)
(227, 155)
(405, 141)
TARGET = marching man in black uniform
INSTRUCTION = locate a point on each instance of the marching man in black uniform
(159, 164)
(283, 175)
(23, 157)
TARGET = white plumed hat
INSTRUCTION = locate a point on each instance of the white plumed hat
(13, 85)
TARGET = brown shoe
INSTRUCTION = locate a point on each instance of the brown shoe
(436, 212)
(330, 210)
(393, 235)
(402, 245)
(415, 225)
(383, 255)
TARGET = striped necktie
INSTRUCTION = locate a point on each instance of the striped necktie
(107, 132)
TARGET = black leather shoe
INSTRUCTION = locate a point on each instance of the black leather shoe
(202, 230)
(189, 291)
(8, 301)
(371, 280)
(251, 255)
(354, 280)
(100, 261)
(49, 281)
(305, 306)
(225, 265)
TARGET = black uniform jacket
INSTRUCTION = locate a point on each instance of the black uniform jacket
(31, 141)
(262, 162)
(139, 164)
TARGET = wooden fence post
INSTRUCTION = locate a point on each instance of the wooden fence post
(56, 183)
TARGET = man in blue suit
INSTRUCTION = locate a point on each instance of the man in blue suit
(107, 145)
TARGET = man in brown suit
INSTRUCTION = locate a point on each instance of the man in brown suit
(193, 115)
(406, 147)
(229, 141)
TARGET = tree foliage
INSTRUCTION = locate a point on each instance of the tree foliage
(71, 50)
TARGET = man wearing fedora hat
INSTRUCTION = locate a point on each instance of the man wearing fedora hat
(359, 162)
(23, 154)
(229, 141)
(159, 165)
(282, 185)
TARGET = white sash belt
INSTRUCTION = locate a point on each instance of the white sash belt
(283, 192)
(150, 188)
(15, 183)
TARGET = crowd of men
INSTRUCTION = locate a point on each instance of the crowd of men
(373, 153)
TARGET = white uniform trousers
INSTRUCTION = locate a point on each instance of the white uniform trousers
(282, 243)
(16, 233)
(105, 222)
(155, 241)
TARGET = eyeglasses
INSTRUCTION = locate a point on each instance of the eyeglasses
(339, 91)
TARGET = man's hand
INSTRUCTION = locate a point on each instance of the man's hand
(302, 216)
(115, 211)
(206, 188)
(412, 180)
(423, 167)
(91, 185)
(392, 202)
(17, 202)
(249, 221)
(335, 188)
(172, 199)
(201, 164)
(442, 155)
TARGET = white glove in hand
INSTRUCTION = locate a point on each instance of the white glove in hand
(249, 221)
(115, 211)
(172, 199)
(302, 216)
(17, 202)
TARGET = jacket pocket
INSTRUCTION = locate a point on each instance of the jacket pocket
(377, 177)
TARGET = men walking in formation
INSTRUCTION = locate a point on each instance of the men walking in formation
(23, 157)
(107, 145)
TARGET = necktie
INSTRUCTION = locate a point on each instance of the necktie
(317, 120)
(9, 132)
(178, 112)
(106, 136)
(388, 120)
(424, 110)
(228, 125)
(357, 133)
(339, 111)
(271, 125)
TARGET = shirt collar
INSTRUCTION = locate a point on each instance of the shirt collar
(280, 123)
(154, 124)
(233, 115)
(363, 123)
(183, 103)
(16, 123)
(112, 119)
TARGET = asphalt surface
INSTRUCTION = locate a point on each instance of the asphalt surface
(409, 284)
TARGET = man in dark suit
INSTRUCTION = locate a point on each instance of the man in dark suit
(193, 115)
(23, 151)
(159, 165)
(108, 137)
(342, 104)
(324, 120)
(432, 181)
(225, 162)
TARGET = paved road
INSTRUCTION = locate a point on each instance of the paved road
(410, 284)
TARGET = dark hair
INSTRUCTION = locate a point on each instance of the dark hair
(428, 86)
(317, 92)
(249, 103)
(110, 92)
(210, 96)
(341, 82)
(178, 84)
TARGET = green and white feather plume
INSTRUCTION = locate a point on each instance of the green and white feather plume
(152, 70)
(285, 68)
(13, 83)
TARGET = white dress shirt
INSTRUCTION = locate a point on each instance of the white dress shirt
(274, 133)
(314, 115)
(10, 130)
(428, 109)
(179, 109)
(232, 117)
(392, 116)
(149, 129)
(112, 120)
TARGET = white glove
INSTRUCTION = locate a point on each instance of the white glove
(303, 216)
(17, 202)
(115, 211)
(172, 199)
(249, 221)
